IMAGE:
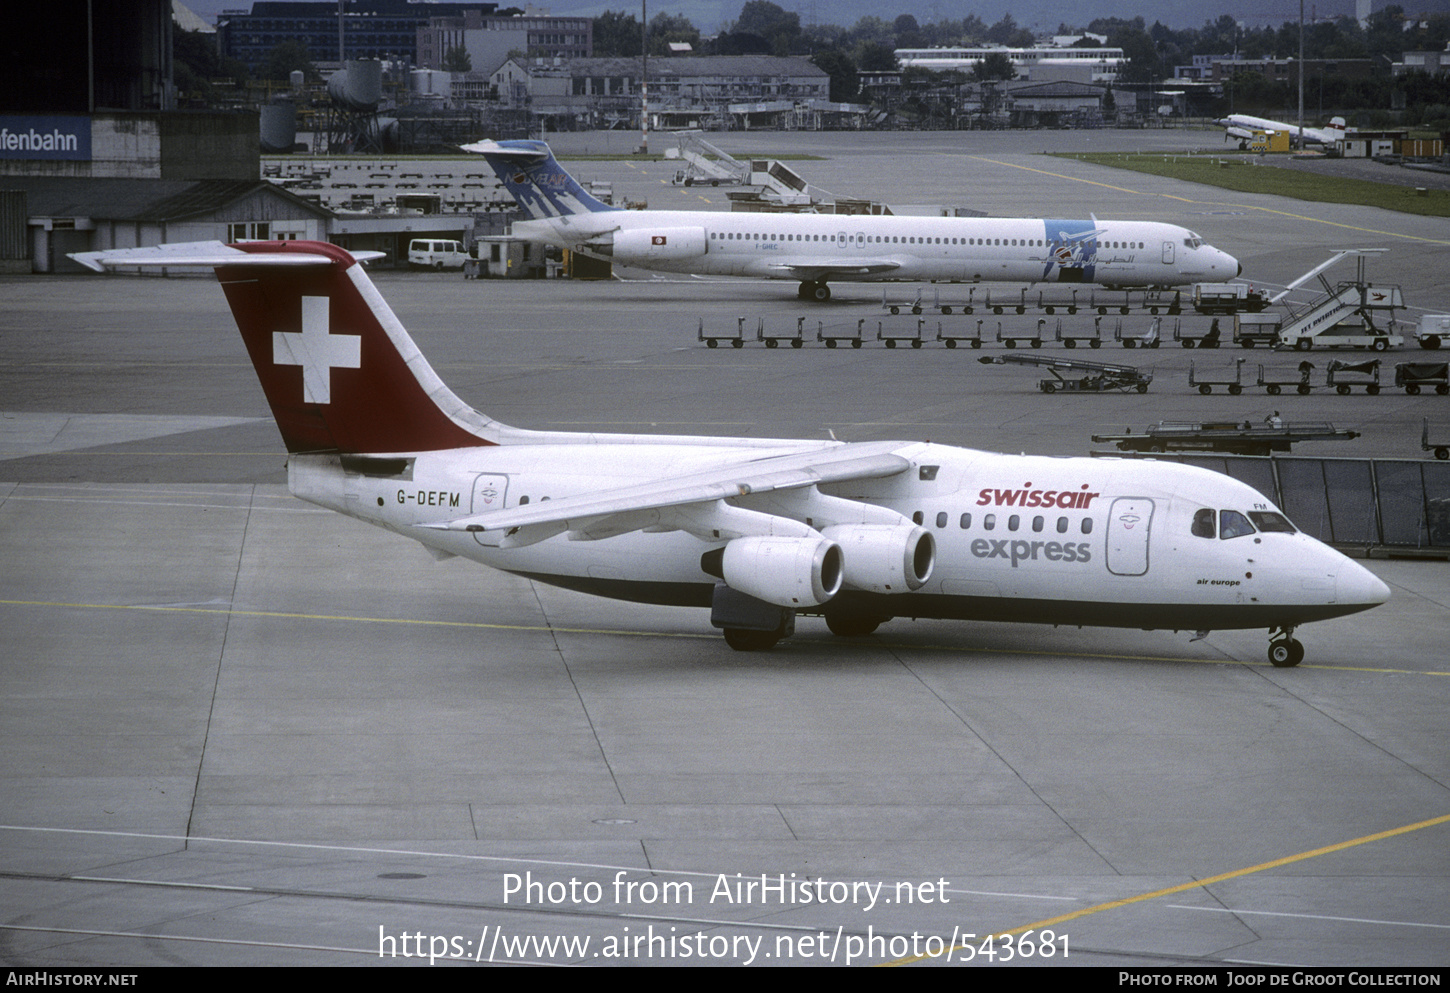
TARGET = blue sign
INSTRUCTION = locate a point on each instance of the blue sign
(45, 137)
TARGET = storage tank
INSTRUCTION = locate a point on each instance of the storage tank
(358, 85)
(279, 126)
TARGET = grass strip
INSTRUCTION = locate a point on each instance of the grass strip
(1253, 175)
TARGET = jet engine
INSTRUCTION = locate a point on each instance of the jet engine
(650, 245)
(788, 572)
(885, 558)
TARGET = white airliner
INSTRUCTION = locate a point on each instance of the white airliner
(756, 530)
(819, 248)
(1242, 127)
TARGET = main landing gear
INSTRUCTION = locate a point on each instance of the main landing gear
(844, 624)
(814, 290)
(752, 641)
(841, 623)
(1285, 651)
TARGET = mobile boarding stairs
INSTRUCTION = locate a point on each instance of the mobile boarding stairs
(1351, 314)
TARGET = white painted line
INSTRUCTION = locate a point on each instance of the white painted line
(1312, 917)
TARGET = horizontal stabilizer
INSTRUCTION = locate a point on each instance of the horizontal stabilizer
(516, 153)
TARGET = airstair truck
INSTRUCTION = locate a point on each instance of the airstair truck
(1351, 314)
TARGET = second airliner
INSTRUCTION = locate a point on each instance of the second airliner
(816, 249)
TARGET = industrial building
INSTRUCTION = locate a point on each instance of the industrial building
(1040, 63)
(691, 91)
(69, 215)
(370, 29)
(488, 39)
(101, 158)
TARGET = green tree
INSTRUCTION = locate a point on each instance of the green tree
(845, 85)
(457, 59)
(995, 66)
(616, 34)
(908, 32)
(286, 58)
(667, 28)
(761, 17)
(1111, 25)
(1002, 32)
(196, 63)
(876, 57)
(1141, 55)
(741, 43)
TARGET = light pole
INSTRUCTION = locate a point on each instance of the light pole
(1301, 75)
(644, 77)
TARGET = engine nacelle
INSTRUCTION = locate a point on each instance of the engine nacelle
(651, 244)
(789, 572)
(885, 558)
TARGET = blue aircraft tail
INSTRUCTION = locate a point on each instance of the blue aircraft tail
(540, 185)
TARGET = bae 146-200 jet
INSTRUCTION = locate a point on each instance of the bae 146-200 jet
(818, 249)
(756, 530)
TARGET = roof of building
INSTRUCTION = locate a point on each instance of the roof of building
(146, 200)
(188, 20)
(694, 65)
(376, 8)
(1058, 88)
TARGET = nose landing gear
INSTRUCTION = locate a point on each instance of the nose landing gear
(1285, 651)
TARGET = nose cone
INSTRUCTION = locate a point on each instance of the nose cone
(1356, 585)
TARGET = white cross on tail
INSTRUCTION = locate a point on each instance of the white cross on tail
(316, 351)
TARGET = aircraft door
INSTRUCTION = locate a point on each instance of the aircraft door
(490, 491)
(1168, 253)
(841, 239)
(1128, 526)
(860, 239)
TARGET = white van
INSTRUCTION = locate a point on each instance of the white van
(434, 254)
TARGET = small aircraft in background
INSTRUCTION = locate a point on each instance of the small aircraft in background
(817, 249)
(757, 530)
(1242, 127)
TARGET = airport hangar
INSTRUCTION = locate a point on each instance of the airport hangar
(241, 731)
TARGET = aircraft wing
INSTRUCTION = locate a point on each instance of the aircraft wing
(1242, 134)
(202, 254)
(688, 502)
(839, 269)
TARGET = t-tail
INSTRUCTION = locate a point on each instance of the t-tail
(339, 371)
(540, 185)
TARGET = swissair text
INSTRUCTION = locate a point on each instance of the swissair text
(1028, 497)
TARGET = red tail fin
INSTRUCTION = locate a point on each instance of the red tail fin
(338, 369)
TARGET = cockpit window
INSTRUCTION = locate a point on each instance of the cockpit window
(1232, 524)
(1203, 523)
(1267, 520)
(1193, 240)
